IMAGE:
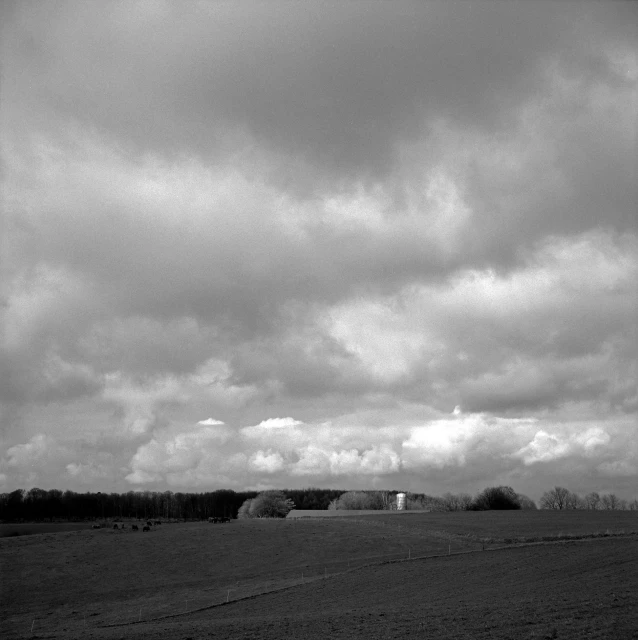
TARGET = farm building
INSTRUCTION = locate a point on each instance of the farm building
(337, 513)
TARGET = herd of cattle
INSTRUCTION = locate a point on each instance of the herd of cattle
(149, 524)
(134, 527)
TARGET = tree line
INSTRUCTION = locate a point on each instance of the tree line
(561, 498)
(277, 504)
(41, 505)
(490, 498)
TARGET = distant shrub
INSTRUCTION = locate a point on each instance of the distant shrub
(268, 504)
(496, 498)
(360, 501)
(526, 503)
(456, 501)
(424, 502)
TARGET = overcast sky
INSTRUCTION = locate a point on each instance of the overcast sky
(350, 245)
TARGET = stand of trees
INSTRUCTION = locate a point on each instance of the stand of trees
(363, 500)
(40, 505)
(560, 498)
(488, 499)
(268, 504)
(312, 498)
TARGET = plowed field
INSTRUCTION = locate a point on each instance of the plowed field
(338, 578)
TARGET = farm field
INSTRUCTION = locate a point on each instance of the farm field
(34, 528)
(327, 574)
(570, 590)
(502, 526)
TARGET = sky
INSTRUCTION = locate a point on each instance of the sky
(355, 245)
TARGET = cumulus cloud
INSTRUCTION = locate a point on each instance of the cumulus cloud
(36, 461)
(30, 453)
(274, 423)
(546, 447)
(466, 447)
(266, 462)
(169, 455)
(96, 468)
(365, 219)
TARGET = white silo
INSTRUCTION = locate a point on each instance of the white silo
(401, 502)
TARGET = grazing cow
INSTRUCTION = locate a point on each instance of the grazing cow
(134, 527)
(149, 523)
(115, 526)
(158, 522)
(96, 526)
(225, 519)
(146, 528)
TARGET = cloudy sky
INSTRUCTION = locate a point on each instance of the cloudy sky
(350, 245)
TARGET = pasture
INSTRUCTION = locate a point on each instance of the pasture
(34, 528)
(438, 575)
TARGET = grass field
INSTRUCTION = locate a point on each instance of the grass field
(519, 526)
(339, 577)
(35, 528)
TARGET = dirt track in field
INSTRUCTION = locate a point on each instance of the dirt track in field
(570, 589)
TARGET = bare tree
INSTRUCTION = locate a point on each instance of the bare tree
(457, 502)
(592, 500)
(465, 501)
(386, 499)
(572, 501)
(557, 498)
(610, 502)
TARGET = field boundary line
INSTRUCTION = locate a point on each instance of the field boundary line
(253, 596)
(475, 538)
